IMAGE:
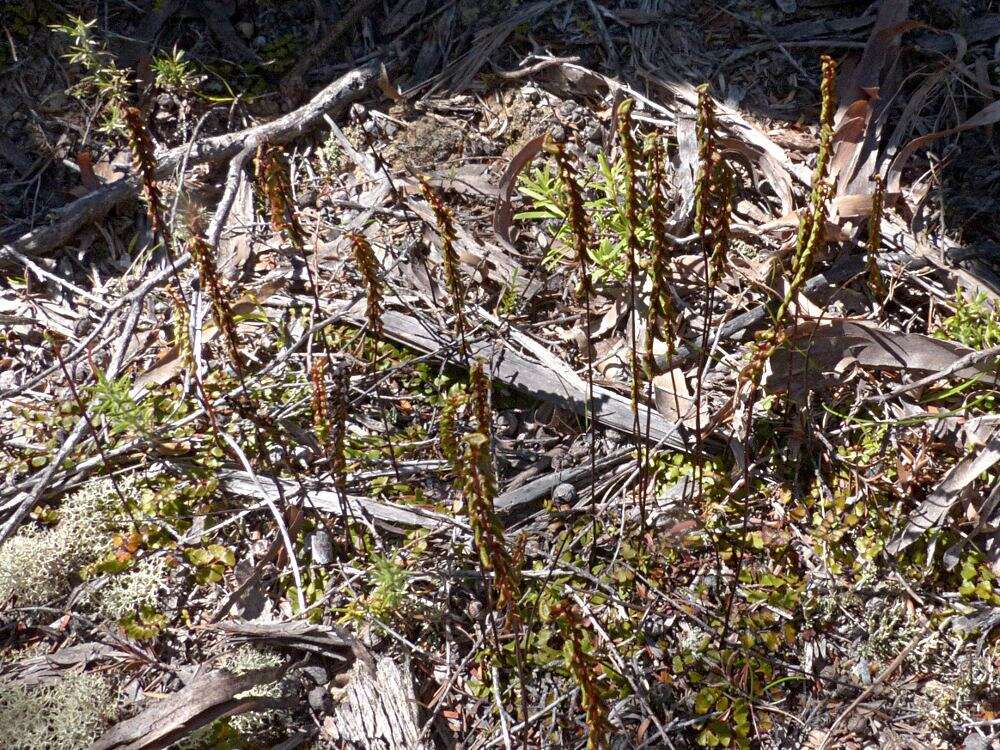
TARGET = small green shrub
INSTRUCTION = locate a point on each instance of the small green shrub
(605, 193)
(974, 323)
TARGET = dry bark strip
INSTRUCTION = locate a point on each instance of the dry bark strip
(207, 698)
(94, 206)
(326, 498)
(932, 511)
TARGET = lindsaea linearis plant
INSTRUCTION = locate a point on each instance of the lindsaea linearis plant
(584, 668)
(445, 221)
(220, 300)
(660, 320)
(630, 156)
(579, 224)
(448, 440)
(576, 214)
(364, 256)
(182, 325)
(810, 236)
(320, 403)
(713, 189)
(876, 282)
(140, 145)
(487, 531)
(272, 177)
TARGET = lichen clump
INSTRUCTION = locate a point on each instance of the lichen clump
(132, 590)
(67, 714)
(37, 565)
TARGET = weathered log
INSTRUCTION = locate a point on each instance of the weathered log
(377, 711)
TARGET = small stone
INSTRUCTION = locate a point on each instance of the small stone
(564, 493)
(321, 547)
(317, 674)
(245, 28)
(390, 128)
(260, 40)
(593, 150)
(357, 112)
(320, 700)
(558, 133)
(507, 424)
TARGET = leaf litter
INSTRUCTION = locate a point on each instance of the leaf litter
(773, 530)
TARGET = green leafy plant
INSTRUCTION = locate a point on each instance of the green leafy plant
(113, 400)
(604, 199)
(172, 72)
(210, 562)
(974, 323)
(102, 77)
(390, 588)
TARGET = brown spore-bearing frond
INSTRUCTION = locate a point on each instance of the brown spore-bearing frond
(659, 323)
(487, 531)
(338, 429)
(721, 219)
(445, 221)
(714, 188)
(576, 213)
(584, 668)
(480, 387)
(448, 431)
(630, 157)
(813, 223)
(140, 144)
(182, 325)
(630, 154)
(220, 301)
(320, 403)
(823, 156)
(272, 176)
(802, 268)
(364, 256)
(707, 154)
(876, 282)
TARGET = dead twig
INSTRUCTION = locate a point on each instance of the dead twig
(94, 206)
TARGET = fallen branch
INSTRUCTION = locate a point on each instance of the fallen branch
(325, 497)
(94, 206)
(538, 381)
(969, 360)
(209, 697)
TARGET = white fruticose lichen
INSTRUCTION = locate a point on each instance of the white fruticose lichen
(244, 659)
(127, 592)
(63, 715)
(37, 565)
